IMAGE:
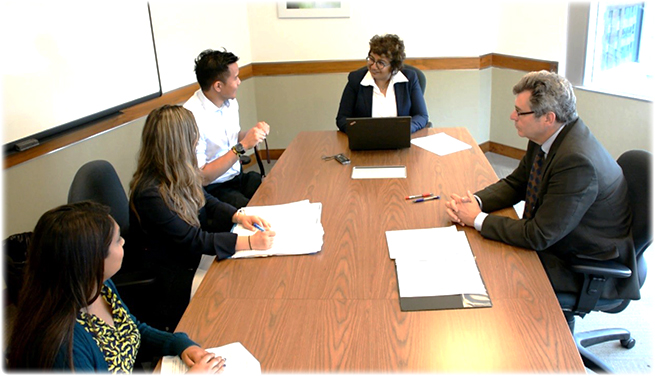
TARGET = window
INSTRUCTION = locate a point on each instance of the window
(619, 57)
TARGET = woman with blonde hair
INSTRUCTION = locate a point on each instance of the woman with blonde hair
(172, 219)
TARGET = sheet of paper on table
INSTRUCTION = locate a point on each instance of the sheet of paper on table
(440, 144)
(379, 172)
(436, 269)
(238, 361)
(297, 226)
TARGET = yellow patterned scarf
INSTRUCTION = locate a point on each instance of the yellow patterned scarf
(120, 343)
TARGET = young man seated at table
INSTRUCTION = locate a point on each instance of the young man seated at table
(222, 141)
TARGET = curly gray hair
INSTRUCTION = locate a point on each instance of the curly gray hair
(550, 92)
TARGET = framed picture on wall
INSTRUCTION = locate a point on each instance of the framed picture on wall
(313, 9)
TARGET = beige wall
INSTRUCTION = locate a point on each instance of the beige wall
(619, 123)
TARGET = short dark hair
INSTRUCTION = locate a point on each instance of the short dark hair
(212, 66)
(391, 46)
(549, 92)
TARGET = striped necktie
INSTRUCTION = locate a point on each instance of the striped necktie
(533, 185)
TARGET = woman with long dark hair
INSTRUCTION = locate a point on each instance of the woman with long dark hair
(70, 316)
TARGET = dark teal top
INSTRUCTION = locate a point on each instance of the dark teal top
(98, 353)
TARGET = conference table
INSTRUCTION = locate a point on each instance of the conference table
(338, 310)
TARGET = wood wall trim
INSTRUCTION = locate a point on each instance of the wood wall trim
(522, 63)
(505, 150)
(81, 133)
(271, 69)
(488, 146)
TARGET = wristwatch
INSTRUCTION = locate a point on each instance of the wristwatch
(238, 149)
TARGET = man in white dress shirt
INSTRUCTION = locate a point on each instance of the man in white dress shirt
(222, 141)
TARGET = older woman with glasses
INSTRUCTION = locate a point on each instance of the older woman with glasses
(383, 88)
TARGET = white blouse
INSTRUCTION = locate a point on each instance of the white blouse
(384, 106)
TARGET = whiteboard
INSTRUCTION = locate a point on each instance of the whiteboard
(68, 62)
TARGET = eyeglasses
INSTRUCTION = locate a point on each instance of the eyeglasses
(519, 113)
(381, 64)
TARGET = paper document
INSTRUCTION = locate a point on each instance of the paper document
(415, 244)
(440, 144)
(297, 226)
(379, 172)
(238, 361)
(436, 269)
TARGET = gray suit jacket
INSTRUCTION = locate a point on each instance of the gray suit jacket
(581, 211)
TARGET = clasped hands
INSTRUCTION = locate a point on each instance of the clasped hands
(463, 209)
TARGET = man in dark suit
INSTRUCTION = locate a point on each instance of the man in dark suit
(576, 199)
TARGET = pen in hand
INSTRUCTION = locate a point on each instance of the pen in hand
(258, 227)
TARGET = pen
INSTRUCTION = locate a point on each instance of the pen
(417, 196)
(427, 198)
(258, 227)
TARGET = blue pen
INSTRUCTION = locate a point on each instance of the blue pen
(258, 227)
(427, 198)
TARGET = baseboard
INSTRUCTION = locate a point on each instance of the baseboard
(505, 150)
(488, 146)
(273, 153)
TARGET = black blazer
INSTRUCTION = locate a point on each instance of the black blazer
(581, 210)
(166, 239)
(357, 100)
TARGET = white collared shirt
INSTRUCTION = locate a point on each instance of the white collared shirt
(219, 130)
(384, 106)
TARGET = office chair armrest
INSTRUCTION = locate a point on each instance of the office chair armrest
(595, 274)
(607, 269)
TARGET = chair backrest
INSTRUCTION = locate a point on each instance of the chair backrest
(421, 76)
(637, 169)
(98, 181)
(636, 165)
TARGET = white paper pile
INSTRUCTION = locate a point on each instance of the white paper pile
(434, 262)
(297, 226)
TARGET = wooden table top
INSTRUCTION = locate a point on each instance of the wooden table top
(338, 310)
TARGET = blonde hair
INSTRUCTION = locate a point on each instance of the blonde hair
(167, 158)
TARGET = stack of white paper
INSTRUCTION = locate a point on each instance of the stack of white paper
(238, 361)
(297, 226)
(435, 262)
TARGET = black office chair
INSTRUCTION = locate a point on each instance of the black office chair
(636, 165)
(422, 82)
(245, 159)
(97, 181)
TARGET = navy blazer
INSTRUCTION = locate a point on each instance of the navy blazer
(357, 100)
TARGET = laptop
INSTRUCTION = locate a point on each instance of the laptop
(379, 133)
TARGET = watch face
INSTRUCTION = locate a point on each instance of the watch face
(239, 148)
